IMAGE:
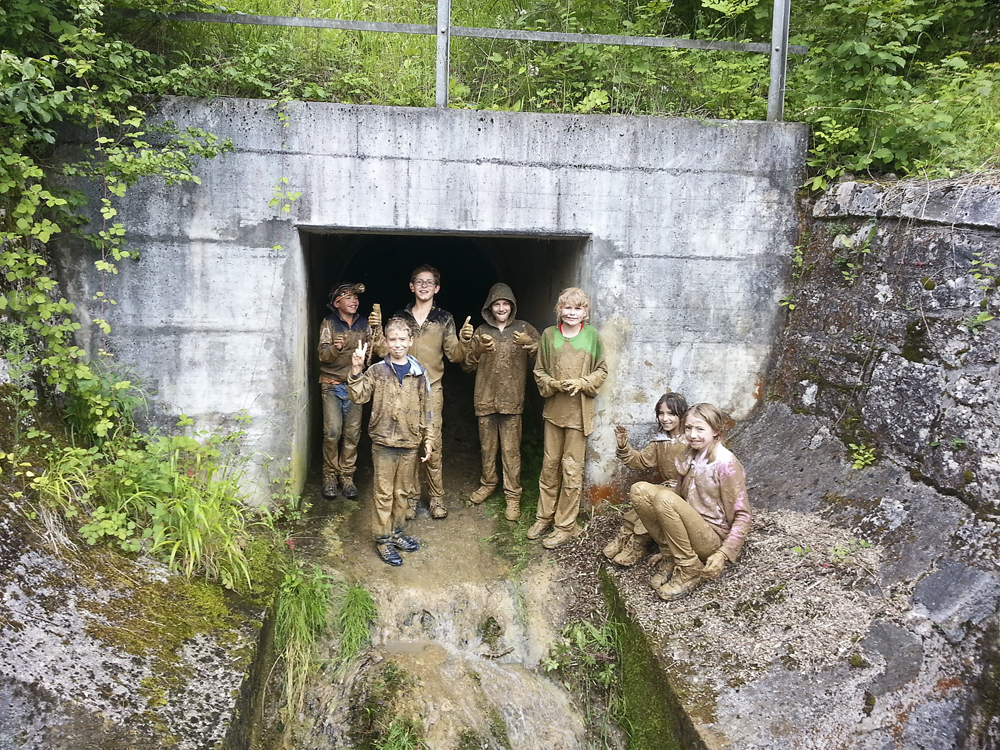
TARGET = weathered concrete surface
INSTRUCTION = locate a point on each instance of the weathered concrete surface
(889, 359)
(686, 229)
(100, 651)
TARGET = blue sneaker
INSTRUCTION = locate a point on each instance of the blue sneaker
(405, 543)
(385, 549)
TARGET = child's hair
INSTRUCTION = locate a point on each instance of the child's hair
(426, 269)
(715, 419)
(675, 403)
(399, 324)
(574, 297)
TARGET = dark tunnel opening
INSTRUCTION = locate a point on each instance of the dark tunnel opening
(536, 268)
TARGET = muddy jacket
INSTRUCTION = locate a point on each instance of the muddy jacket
(334, 364)
(432, 341)
(560, 358)
(401, 412)
(500, 375)
(662, 453)
(718, 491)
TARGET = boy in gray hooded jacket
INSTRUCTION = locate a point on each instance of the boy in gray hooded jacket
(499, 353)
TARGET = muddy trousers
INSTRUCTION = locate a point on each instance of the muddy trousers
(560, 484)
(674, 524)
(431, 467)
(394, 468)
(341, 432)
(503, 430)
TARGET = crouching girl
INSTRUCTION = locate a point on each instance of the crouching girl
(668, 444)
(704, 526)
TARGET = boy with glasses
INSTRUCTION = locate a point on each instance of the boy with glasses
(434, 340)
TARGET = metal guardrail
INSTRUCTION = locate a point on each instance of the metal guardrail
(779, 48)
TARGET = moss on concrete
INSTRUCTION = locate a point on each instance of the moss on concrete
(654, 717)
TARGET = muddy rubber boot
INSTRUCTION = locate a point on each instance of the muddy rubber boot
(348, 489)
(617, 544)
(559, 537)
(684, 580)
(538, 528)
(634, 550)
(437, 508)
(330, 488)
(386, 551)
(479, 496)
(664, 569)
(513, 511)
(411, 509)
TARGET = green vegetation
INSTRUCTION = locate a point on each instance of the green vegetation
(300, 615)
(586, 660)
(861, 455)
(904, 86)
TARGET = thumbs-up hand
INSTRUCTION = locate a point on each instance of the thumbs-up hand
(465, 334)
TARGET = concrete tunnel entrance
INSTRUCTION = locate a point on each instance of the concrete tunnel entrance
(536, 268)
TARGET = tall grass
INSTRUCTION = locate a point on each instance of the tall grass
(301, 614)
(174, 497)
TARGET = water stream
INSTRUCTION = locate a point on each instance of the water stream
(457, 644)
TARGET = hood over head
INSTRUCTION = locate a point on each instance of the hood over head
(499, 291)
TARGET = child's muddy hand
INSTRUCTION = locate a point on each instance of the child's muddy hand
(572, 386)
(375, 319)
(621, 435)
(358, 357)
(714, 564)
(467, 330)
(338, 341)
(428, 451)
(486, 343)
(522, 339)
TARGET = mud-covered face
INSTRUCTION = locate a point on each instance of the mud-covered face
(501, 310)
(572, 315)
(424, 287)
(699, 433)
(348, 304)
(669, 422)
(399, 343)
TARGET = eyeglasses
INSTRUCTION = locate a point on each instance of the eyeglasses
(424, 282)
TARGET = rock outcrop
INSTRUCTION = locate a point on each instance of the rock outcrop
(97, 650)
(870, 618)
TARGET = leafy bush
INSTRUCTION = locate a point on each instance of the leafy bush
(175, 497)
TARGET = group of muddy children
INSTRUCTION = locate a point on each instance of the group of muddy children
(698, 515)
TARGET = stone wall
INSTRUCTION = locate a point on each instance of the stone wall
(684, 230)
(868, 595)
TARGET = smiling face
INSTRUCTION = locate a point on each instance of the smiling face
(668, 421)
(348, 304)
(501, 310)
(424, 287)
(572, 315)
(399, 342)
(699, 433)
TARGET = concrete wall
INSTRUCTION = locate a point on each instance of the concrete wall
(686, 226)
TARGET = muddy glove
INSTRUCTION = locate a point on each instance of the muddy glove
(621, 435)
(572, 386)
(525, 341)
(485, 343)
(375, 322)
(714, 564)
(465, 334)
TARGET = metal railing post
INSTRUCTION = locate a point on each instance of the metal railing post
(443, 53)
(779, 61)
